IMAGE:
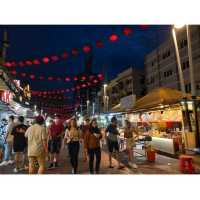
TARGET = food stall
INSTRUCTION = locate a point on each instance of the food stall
(159, 114)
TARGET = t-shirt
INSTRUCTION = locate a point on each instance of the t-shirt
(10, 127)
(56, 130)
(112, 132)
(36, 134)
(19, 140)
(72, 135)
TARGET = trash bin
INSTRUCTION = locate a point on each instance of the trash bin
(151, 155)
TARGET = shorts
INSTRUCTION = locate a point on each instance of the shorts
(130, 143)
(54, 145)
(112, 145)
(34, 161)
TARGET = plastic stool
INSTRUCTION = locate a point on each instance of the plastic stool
(186, 164)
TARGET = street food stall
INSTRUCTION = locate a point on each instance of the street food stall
(160, 115)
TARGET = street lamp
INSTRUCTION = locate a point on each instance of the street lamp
(192, 79)
(180, 72)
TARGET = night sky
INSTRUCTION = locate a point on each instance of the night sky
(30, 41)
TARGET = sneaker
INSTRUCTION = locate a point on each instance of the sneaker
(15, 170)
(51, 166)
(10, 162)
(121, 167)
(133, 165)
(4, 163)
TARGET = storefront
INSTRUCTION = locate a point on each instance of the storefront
(160, 114)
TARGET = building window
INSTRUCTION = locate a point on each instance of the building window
(183, 43)
(168, 73)
(185, 65)
(166, 54)
(152, 80)
(121, 85)
(188, 88)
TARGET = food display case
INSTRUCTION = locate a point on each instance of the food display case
(163, 125)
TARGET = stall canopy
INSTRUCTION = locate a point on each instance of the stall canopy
(117, 108)
(160, 96)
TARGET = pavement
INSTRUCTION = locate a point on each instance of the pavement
(162, 165)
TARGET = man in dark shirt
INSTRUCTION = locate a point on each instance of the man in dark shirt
(112, 141)
(19, 143)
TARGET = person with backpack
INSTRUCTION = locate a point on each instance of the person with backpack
(19, 144)
(112, 142)
(92, 144)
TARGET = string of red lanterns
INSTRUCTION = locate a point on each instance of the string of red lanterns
(66, 90)
(127, 31)
(67, 78)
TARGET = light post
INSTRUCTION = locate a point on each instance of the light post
(192, 79)
(105, 97)
(180, 72)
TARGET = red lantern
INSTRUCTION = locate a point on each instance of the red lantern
(54, 58)
(113, 37)
(127, 31)
(50, 78)
(36, 62)
(45, 59)
(91, 77)
(13, 64)
(14, 72)
(86, 48)
(8, 64)
(28, 62)
(32, 76)
(65, 55)
(75, 78)
(41, 77)
(99, 43)
(23, 74)
(83, 78)
(95, 81)
(67, 78)
(74, 52)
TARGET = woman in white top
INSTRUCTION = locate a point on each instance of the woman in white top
(72, 137)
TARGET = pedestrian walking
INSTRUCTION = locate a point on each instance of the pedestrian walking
(4, 145)
(37, 146)
(72, 138)
(55, 133)
(19, 144)
(92, 143)
(84, 131)
(112, 142)
(130, 143)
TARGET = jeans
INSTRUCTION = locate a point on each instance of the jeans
(92, 153)
(73, 148)
(6, 150)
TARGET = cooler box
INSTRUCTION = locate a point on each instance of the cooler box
(151, 155)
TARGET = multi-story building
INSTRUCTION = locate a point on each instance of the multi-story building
(131, 81)
(161, 65)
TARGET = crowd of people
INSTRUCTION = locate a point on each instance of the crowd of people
(32, 147)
